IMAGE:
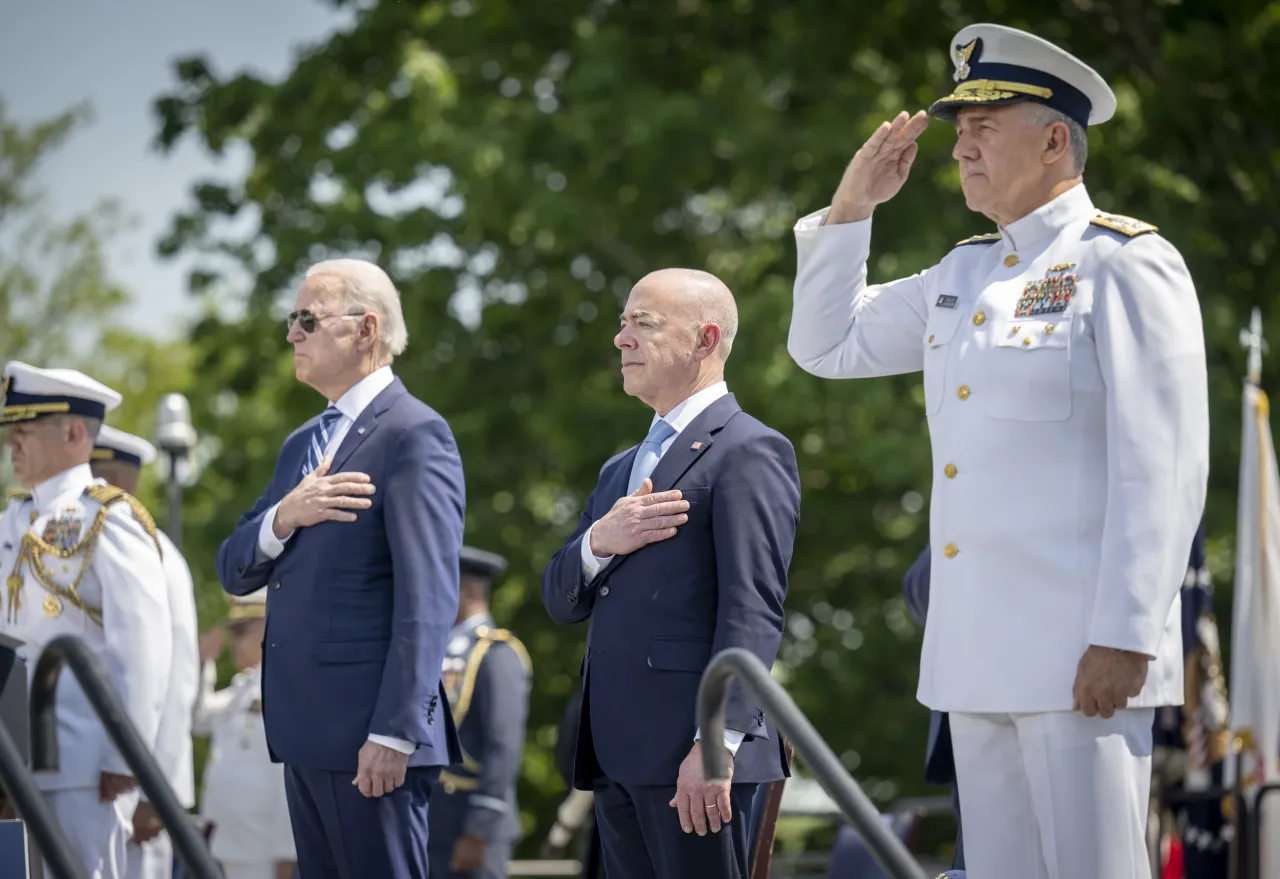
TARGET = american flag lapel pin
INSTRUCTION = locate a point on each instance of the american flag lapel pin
(696, 446)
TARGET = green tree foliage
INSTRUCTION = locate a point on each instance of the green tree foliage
(517, 167)
(59, 306)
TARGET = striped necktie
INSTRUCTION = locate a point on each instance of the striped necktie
(320, 438)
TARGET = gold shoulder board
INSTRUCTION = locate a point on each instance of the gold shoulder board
(19, 494)
(988, 238)
(1127, 226)
(109, 494)
(514, 643)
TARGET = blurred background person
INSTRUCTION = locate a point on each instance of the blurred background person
(118, 458)
(243, 791)
(474, 817)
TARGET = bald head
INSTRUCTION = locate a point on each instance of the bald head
(700, 298)
(677, 329)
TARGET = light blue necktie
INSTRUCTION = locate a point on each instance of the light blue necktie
(320, 438)
(648, 454)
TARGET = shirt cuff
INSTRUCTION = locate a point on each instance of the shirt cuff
(732, 739)
(591, 563)
(395, 744)
(268, 544)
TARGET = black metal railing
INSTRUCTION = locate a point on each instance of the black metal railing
(92, 677)
(29, 805)
(889, 852)
(1253, 842)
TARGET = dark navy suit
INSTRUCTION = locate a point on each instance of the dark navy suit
(939, 766)
(487, 679)
(358, 615)
(658, 615)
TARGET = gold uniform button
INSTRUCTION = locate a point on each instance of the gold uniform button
(1027, 340)
(963, 393)
(950, 470)
(980, 318)
(950, 550)
(1048, 329)
(931, 339)
(1011, 260)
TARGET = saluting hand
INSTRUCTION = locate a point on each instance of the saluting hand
(637, 520)
(320, 497)
(878, 169)
(1106, 679)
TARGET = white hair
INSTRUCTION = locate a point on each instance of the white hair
(365, 286)
(1077, 137)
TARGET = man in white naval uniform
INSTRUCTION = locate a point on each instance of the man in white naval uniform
(1066, 393)
(118, 458)
(82, 558)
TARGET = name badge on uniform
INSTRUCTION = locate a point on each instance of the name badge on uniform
(947, 301)
(1049, 295)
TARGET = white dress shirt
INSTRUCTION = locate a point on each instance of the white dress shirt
(350, 404)
(679, 418)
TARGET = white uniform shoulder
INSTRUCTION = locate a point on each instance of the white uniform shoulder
(1122, 225)
(124, 509)
(987, 238)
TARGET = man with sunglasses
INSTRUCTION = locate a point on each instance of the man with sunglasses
(357, 540)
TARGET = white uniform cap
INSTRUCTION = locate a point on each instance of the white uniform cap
(116, 445)
(1000, 65)
(30, 392)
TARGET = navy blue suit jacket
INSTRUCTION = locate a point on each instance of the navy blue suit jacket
(939, 765)
(358, 613)
(659, 614)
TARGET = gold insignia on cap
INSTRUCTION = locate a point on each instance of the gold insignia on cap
(961, 56)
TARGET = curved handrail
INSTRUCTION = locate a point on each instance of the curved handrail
(713, 690)
(92, 677)
(29, 805)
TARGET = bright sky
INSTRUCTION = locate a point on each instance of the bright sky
(117, 54)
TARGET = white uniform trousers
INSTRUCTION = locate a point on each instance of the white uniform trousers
(1055, 795)
(258, 870)
(153, 859)
(98, 832)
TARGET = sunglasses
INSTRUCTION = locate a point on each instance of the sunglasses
(309, 320)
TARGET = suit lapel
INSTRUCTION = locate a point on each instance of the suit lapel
(692, 443)
(364, 426)
(616, 482)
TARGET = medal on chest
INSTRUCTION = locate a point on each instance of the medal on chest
(1050, 294)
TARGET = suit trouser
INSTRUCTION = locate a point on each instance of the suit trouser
(640, 835)
(339, 833)
(152, 859)
(97, 832)
(1055, 795)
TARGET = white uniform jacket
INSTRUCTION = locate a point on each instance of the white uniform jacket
(1067, 399)
(174, 752)
(81, 558)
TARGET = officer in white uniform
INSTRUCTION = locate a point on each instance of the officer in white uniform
(1066, 392)
(82, 558)
(118, 458)
(244, 797)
